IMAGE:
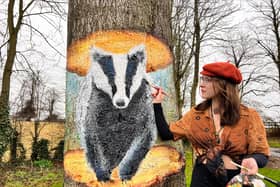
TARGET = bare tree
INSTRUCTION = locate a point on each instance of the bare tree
(18, 17)
(196, 23)
(267, 29)
(240, 48)
(183, 48)
(32, 96)
(52, 97)
(209, 25)
(34, 101)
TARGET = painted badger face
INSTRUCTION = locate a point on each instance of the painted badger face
(118, 75)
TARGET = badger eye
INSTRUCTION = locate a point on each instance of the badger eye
(134, 58)
(103, 59)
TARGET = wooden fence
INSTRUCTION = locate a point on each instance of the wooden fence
(272, 129)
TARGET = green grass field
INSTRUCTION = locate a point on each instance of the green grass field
(271, 173)
(189, 164)
(274, 142)
(25, 175)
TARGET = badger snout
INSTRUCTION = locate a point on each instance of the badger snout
(120, 102)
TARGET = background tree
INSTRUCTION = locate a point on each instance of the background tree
(196, 24)
(35, 102)
(32, 97)
(241, 49)
(183, 49)
(267, 30)
(19, 16)
(52, 98)
(210, 23)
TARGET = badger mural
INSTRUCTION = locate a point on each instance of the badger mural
(114, 112)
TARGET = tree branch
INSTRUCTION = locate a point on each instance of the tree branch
(45, 38)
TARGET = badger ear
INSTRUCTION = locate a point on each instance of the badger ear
(97, 53)
(138, 52)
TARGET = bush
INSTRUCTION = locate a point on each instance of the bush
(40, 150)
(58, 154)
(46, 164)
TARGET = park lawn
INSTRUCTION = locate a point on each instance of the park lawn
(271, 173)
(25, 175)
(274, 142)
(189, 165)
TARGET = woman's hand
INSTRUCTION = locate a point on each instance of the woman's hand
(157, 94)
(252, 166)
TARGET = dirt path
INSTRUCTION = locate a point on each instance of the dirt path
(274, 159)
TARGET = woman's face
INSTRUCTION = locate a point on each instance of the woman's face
(206, 85)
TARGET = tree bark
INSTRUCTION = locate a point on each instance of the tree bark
(176, 74)
(5, 129)
(86, 17)
(196, 53)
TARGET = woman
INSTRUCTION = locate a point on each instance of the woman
(220, 129)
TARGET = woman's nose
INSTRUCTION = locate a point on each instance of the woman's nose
(201, 84)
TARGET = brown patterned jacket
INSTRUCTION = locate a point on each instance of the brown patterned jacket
(248, 136)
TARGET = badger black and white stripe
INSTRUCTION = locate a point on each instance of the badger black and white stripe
(114, 112)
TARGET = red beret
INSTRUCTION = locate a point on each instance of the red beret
(224, 70)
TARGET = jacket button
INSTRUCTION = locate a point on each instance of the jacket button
(197, 117)
(228, 144)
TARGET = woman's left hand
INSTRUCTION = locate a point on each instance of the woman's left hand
(252, 166)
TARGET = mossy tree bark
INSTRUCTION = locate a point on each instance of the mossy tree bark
(14, 26)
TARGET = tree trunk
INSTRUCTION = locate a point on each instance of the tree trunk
(278, 68)
(177, 75)
(196, 53)
(5, 127)
(13, 146)
(87, 17)
(35, 139)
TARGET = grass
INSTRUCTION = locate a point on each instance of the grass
(189, 165)
(25, 175)
(274, 142)
(271, 173)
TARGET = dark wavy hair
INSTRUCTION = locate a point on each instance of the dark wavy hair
(228, 96)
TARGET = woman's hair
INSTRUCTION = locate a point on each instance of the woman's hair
(228, 96)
